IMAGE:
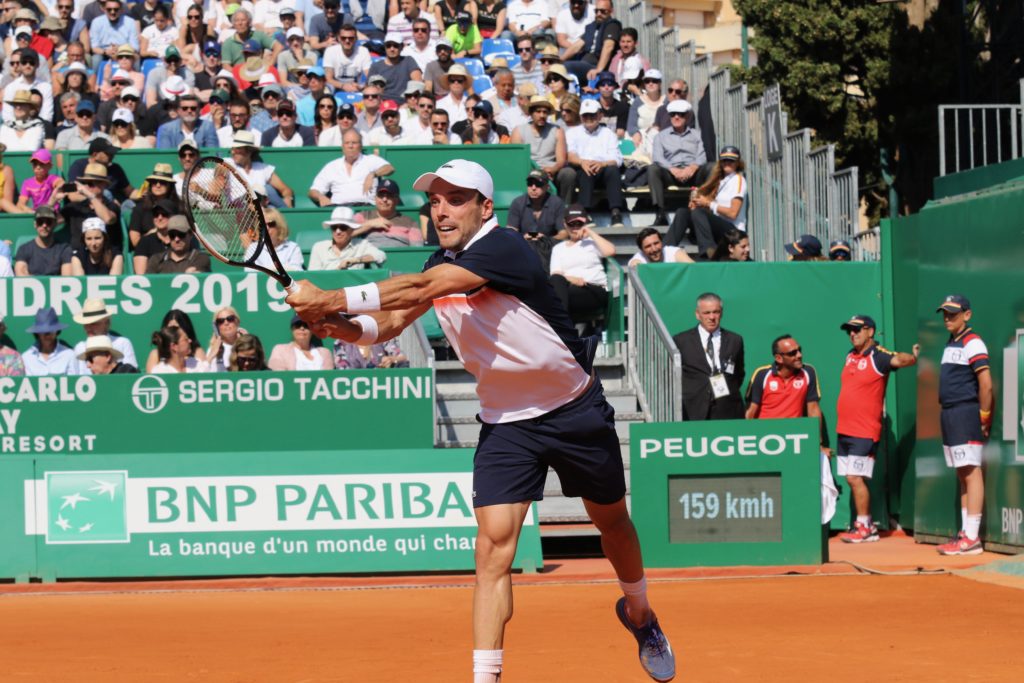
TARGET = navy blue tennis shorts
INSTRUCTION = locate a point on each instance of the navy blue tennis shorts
(961, 424)
(855, 445)
(577, 440)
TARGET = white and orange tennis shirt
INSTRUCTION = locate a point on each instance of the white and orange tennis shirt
(512, 334)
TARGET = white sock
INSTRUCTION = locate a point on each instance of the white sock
(971, 526)
(487, 666)
(864, 519)
(963, 518)
(636, 595)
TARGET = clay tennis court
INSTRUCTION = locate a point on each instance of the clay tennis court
(829, 623)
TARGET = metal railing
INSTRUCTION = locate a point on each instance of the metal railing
(416, 347)
(973, 135)
(653, 363)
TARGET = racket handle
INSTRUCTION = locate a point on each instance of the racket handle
(292, 287)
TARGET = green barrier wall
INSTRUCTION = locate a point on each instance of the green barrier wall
(764, 300)
(147, 413)
(731, 492)
(508, 165)
(978, 179)
(971, 245)
(211, 514)
(141, 302)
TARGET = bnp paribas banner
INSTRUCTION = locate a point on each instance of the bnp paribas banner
(255, 513)
(220, 412)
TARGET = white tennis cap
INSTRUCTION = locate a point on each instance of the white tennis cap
(460, 173)
(679, 107)
(94, 223)
(590, 107)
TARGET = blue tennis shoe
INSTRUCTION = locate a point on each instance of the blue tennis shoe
(656, 656)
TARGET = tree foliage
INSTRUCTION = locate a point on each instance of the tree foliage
(858, 75)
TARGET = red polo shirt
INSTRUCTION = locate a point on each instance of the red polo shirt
(862, 393)
(783, 397)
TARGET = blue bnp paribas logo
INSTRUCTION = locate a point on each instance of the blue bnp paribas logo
(86, 507)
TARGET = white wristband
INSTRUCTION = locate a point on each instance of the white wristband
(370, 329)
(714, 208)
(362, 299)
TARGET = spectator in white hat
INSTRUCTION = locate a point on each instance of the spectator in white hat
(170, 79)
(593, 150)
(677, 157)
(95, 319)
(457, 83)
(345, 63)
(99, 357)
(396, 70)
(98, 256)
(640, 125)
(124, 133)
(341, 252)
(124, 65)
(261, 176)
(295, 52)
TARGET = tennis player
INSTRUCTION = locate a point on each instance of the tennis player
(541, 403)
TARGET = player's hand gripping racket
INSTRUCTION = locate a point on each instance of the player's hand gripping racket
(227, 219)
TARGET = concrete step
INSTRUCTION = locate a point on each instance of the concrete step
(466, 403)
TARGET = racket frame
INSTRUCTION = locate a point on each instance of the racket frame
(263, 237)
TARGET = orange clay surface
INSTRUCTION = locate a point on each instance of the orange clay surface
(829, 623)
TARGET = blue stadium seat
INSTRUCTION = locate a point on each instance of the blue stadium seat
(353, 98)
(474, 66)
(148, 65)
(498, 46)
(482, 84)
(99, 70)
(513, 61)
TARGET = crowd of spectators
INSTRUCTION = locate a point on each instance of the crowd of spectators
(176, 347)
(565, 78)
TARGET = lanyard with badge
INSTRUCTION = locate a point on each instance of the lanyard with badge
(719, 387)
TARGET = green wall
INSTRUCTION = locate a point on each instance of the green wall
(807, 300)
(971, 245)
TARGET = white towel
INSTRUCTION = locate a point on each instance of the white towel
(829, 492)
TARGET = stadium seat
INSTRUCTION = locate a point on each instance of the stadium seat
(148, 65)
(99, 70)
(482, 84)
(353, 98)
(498, 46)
(474, 66)
(513, 61)
(307, 238)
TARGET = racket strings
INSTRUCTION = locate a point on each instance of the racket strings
(223, 212)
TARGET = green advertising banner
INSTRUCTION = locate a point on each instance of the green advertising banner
(218, 412)
(139, 302)
(253, 513)
(727, 492)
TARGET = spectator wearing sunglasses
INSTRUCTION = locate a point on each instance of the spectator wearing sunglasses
(401, 24)
(25, 66)
(85, 130)
(677, 90)
(345, 63)
(786, 388)
(537, 211)
(112, 29)
(570, 25)
(162, 73)
(287, 132)
(421, 48)
(325, 26)
(187, 125)
(227, 330)
(600, 42)
(396, 70)
(464, 36)
(528, 70)
(181, 255)
(72, 27)
(300, 353)
(434, 74)
(43, 255)
(24, 132)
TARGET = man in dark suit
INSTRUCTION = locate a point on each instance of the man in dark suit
(712, 365)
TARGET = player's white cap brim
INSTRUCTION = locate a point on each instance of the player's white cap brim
(460, 173)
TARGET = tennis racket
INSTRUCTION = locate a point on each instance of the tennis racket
(227, 218)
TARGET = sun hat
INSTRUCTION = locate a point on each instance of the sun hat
(46, 321)
(93, 310)
(342, 215)
(162, 172)
(100, 342)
